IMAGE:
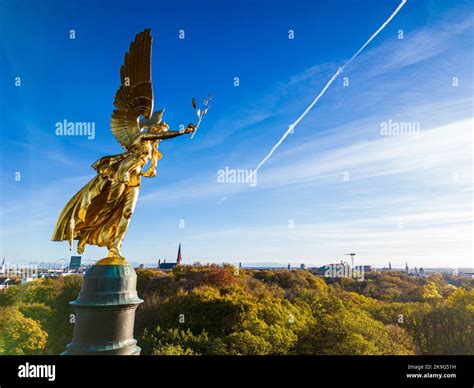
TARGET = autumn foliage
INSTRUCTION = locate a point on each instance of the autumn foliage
(215, 310)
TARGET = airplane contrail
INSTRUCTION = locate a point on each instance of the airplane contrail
(292, 126)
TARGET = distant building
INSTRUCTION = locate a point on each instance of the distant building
(165, 266)
(389, 268)
(302, 266)
(407, 270)
(319, 270)
(75, 262)
(169, 266)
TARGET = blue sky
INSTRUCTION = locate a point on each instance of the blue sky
(334, 186)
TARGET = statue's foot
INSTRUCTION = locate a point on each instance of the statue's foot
(115, 253)
(113, 258)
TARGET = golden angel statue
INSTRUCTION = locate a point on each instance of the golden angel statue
(99, 214)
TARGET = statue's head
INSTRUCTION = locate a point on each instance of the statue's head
(155, 123)
(159, 127)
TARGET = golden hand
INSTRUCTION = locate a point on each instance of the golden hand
(190, 128)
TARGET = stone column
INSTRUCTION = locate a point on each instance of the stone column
(105, 311)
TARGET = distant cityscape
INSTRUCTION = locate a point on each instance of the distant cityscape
(31, 272)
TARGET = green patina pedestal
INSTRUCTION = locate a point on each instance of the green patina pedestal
(105, 311)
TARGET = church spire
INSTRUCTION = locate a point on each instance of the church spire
(179, 259)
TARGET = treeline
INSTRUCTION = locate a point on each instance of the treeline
(226, 311)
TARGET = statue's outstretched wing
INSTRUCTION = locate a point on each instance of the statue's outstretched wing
(134, 97)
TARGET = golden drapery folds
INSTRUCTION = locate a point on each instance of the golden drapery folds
(94, 214)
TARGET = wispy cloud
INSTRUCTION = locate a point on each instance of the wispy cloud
(383, 59)
(436, 150)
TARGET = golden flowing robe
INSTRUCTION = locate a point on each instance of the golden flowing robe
(93, 215)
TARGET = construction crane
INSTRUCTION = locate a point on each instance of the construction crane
(352, 257)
